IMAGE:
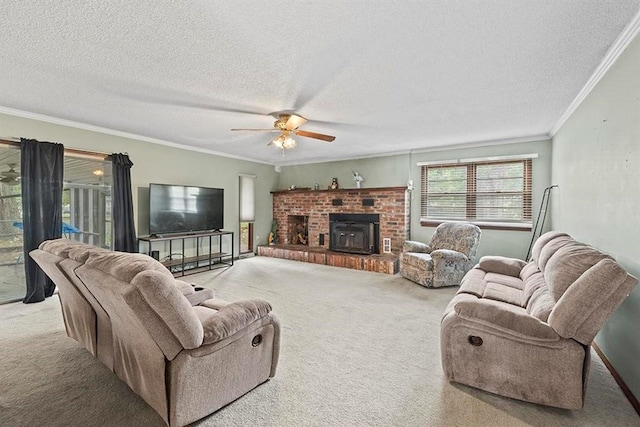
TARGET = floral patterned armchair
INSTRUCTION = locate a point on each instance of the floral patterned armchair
(445, 260)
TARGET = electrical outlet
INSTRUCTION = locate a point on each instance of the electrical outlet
(386, 245)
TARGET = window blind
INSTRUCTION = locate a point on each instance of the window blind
(247, 198)
(483, 191)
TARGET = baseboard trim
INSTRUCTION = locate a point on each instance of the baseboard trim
(632, 399)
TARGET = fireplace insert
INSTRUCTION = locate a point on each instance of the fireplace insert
(354, 233)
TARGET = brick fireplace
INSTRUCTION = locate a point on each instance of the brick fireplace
(387, 208)
(390, 204)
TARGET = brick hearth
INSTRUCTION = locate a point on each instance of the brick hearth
(385, 263)
(391, 203)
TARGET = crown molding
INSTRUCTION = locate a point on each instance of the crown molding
(472, 144)
(113, 132)
(615, 51)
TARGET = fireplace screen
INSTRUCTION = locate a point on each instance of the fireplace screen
(354, 233)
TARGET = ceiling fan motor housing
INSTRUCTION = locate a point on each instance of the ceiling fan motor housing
(281, 123)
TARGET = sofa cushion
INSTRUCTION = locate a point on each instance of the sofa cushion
(499, 292)
(162, 296)
(551, 248)
(567, 264)
(82, 253)
(528, 270)
(62, 247)
(541, 242)
(590, 300)
(501, 279)
(541, 303)
(531, 284)
(125, 266)
(473, 282)
(501, 265)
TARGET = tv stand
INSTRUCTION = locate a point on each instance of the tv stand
(182, 253)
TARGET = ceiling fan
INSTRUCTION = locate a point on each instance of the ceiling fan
(288, 125)
(10, 177)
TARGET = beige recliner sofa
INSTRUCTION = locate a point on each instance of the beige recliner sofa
(186, 353)
(524, 330)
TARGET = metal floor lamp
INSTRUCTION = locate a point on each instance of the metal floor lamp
(542, 213)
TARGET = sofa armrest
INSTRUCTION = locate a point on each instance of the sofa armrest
(215, 303)
(506, 318)
(199, 296)
(232, 318)
(502, 265)
(440, 255)
(413, 246)
(184, 287)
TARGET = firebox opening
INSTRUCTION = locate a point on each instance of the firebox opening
(298, 229)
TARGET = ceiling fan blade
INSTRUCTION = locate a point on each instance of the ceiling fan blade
(257, 130)
(294, 122)
(322, 137)
(152, 94)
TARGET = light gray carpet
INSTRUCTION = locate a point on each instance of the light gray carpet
(358, 349)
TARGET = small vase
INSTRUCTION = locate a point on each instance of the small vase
(358, 184)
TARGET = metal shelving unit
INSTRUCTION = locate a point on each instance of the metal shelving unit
(209, 259)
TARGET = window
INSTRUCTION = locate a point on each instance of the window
(247, 212)
(493, 194)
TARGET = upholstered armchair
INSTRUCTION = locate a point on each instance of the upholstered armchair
(445, 260)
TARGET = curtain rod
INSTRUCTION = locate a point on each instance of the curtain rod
(15, 142)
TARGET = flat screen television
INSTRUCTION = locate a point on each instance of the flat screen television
(182, 209)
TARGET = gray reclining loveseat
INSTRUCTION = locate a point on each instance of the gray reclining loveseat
(524, 330)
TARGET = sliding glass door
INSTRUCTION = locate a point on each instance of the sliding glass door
(86, 212)
(12, 281)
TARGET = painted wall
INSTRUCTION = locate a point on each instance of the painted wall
(596, 163)
(162, 164)
(397, 170)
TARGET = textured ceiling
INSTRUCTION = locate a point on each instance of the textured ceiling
(381, 76)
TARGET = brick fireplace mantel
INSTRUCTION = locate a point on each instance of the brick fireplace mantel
(391, 203)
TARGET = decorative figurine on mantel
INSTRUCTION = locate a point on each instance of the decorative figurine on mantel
(357, 178)
(334, 184)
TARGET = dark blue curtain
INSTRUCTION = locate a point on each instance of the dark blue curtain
(124, 231)
(41, 168)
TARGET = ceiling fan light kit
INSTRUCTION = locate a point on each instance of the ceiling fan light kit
(287, 125)
(10, 177)
(284, 141)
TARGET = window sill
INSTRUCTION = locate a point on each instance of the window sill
(510, 226)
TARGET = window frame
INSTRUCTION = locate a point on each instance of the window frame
(471, 194)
